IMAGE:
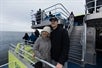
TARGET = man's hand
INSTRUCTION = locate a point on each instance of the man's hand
(59, 65)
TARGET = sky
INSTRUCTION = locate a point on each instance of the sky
(15, 15)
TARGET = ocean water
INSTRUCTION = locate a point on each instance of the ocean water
(14, 37)
(7, 37)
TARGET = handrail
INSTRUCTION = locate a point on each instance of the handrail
(64, 11)
(65, 8)
(32, 56)
(60, 13)
(21, 54)
(83, 40)
(89, 2)
(54, 13)
(55, 5)
(90, 8)
(6, 64)
(56, 9)
(51, 6)
(95, 6)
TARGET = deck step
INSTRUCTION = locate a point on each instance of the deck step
(75, 52)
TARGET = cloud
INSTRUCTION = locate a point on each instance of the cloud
(15, 26)
(16, 13)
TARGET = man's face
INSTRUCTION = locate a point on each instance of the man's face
(54, 24)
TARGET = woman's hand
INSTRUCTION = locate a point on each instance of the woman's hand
(33, 55)
(59, 65)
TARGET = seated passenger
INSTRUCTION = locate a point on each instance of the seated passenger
(26, 38)
(37, 33)
(32, 38)
(51, 15)
(58, 15)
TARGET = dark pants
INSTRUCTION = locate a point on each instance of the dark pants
(38, 65)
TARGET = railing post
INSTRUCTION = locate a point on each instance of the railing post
(41, 17)
(84, 39)
(85, 9)
(83, 44)
(95, 2)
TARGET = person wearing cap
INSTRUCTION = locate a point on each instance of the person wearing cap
(59, 44)
(42, 45)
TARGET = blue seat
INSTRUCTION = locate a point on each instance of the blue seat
(57, 15)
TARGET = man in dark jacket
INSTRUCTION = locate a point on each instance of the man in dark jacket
(59, 44)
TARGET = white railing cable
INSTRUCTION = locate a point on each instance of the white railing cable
(61, 13)
(65, 12)
(35, 57)
(56, 5)
(5, 64)
(94, 7)
(23, 56)
(62, 8)
(57, 9)
(89, 2)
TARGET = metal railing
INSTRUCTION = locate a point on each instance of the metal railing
(89, 2)
(94, 8)
(51, 9)
(6, 64)
(60, 13)
(56, 5)
(63, 11)
(83, 40)
(43, 61)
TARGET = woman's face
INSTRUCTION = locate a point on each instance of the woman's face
(44, 34)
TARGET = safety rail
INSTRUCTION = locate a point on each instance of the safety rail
(65, 14)
(94, 8)
(44, 13)
(27, 42)
(83, 40)
(41, 60)
(60, 13)
(58, 8)
(6, 64)
(56, 5)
